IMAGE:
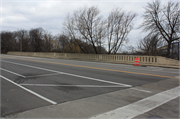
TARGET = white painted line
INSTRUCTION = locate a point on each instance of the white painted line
(30, 91)
(97, 86)
(159, 69)
(70, 74)
(9, 56)
(13, 72)
(142, 106)
(141, 90)
(98, 80)
(145, 69)
(125, 66)
(43, 75)
(175, 72)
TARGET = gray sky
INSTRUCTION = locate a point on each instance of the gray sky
(50, 14)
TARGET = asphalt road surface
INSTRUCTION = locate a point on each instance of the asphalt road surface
(28, 83)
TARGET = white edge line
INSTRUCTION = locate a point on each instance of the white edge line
(43, 75)
(34, 93)
(73, 85)
(13, 72)
(90, 62)
(71, 74)
(157, 69)
(175, 72)
(98, 80)
(151, 70)
(141, 90)
(12, 56)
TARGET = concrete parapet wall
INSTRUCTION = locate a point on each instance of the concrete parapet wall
(127, 59)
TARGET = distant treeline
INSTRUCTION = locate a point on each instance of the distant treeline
(39, 40)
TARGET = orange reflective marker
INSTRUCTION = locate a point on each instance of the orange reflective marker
(136, 62)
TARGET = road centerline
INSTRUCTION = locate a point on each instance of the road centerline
(94, 68)
(89, 62)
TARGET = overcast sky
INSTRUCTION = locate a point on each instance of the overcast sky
(50, 14)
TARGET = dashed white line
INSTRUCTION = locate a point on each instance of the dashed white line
(30, 91)
(13, 73)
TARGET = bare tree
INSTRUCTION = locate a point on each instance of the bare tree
(119, 24)
(36, 39)
(86, 24)
(23, 38)
(164, 20)
(48, 42)
(69, 30)
(63, 42)
(149, 44)
(8, 41)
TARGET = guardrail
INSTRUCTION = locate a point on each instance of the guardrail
(127, 59)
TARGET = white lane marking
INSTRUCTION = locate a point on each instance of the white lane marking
(70, 74)
(13, 72)
(157, 69)
(9, 56)
(154, 69)
(141, 106)
(98, 80)
(141, 90)
(98, 86)
(32, 92)
(175, 72)
(125, 66)
(42, 75)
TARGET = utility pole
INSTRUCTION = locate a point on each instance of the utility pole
(21, 42)
(21, 46)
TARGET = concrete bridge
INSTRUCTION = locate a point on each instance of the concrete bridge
(124, 59)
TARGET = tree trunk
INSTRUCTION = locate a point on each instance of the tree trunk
(168, 49)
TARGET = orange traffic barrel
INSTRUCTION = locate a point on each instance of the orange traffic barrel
(136, 62)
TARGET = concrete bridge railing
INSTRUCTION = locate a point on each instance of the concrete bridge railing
(127, 59)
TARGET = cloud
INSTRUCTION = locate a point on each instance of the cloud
(50, 14)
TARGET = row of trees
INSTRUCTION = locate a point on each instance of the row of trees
(39, 40)
(22, 40)
(86, 31)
